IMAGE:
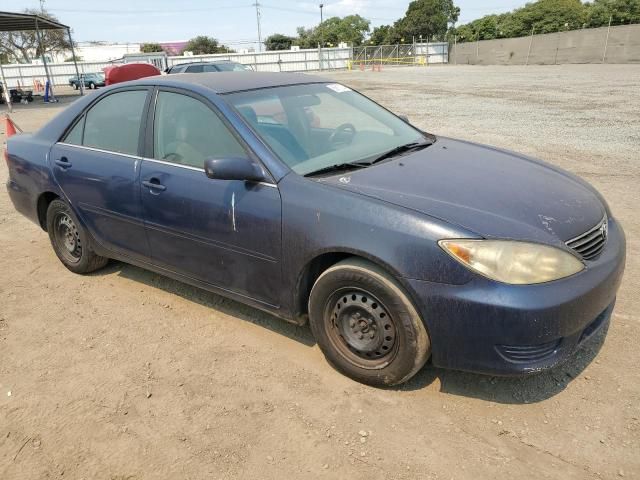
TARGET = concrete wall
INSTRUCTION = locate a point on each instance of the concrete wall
(578, 46)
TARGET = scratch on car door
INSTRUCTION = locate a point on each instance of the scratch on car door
(233, 211)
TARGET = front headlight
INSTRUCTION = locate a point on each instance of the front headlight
(517, 263)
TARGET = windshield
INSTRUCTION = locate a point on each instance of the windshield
(316, 126)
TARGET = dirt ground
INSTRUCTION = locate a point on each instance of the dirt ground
(125, 374)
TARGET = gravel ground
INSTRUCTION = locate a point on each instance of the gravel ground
(128, 375)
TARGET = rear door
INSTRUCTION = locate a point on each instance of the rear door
(225, 233)
(97, 165)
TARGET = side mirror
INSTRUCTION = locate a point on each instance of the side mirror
(233, 169)
(404, 118)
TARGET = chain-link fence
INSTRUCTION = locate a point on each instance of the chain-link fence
(407, 54)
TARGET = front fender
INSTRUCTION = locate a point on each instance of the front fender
(320, 219)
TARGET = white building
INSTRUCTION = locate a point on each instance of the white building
(98, 51)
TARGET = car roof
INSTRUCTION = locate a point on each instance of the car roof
(228, 82)
(208, 62)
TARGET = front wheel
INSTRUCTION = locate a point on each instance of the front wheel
(70, 241)
(365, 324)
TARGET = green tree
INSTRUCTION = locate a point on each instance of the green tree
(203, 45)
(485, 28)
(305, 37)
(277, 41)
(546, 16)
(380, 35)
(620, 12)
(351, 29)
(429, 18)
(151, 48)
(22, 47)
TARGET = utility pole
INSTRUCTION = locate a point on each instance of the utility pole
(42, 6)
(321, 27)
(321, 37)
(257, 5)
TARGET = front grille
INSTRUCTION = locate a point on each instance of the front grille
(591, 243)
(529, 353)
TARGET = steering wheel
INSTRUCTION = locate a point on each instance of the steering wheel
(173, 157)
(343, 135)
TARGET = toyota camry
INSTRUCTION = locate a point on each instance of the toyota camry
(301, 197)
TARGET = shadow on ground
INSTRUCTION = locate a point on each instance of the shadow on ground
(211, 300)
(506, 390)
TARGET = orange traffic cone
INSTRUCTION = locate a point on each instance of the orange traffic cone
(10, 127)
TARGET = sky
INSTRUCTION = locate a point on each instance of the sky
(233, 22)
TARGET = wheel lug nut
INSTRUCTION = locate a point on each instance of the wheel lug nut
(352, 323)
(372, 335)
(360, 336)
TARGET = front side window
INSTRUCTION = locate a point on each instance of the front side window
(187, 132)
(315, 126)
(113, 124)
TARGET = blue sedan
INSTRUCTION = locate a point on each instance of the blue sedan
(301, 197)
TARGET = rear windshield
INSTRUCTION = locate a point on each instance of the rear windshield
(232, 67)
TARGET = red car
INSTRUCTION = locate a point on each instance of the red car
(129, 71)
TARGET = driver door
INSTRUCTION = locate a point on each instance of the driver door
(226, 233)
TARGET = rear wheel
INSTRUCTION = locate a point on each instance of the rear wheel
(70, 241)
(75, 86)
(366, 325)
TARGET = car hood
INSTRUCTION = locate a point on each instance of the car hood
(491, 192)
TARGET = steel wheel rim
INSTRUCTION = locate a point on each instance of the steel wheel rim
(67, 238)
(361, 328)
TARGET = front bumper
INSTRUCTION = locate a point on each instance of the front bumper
(489, 327)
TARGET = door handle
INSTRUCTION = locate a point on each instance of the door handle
(63, 162)
(154, 184)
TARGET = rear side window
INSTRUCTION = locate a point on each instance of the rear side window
(195, 69)
(74, 137)
(113, 124)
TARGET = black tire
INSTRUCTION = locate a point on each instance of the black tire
(75, 86)
(70, 241)
(92, 86)
(365, 324)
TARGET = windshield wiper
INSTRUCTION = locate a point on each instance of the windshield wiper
(409, 147)
(339, 167)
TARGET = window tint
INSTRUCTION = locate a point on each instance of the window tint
(331, 111)
(74, 137)
(195, 69)
(113, 124)
(267, 109)
(314, 126)
(186, 132)
(209, 68)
